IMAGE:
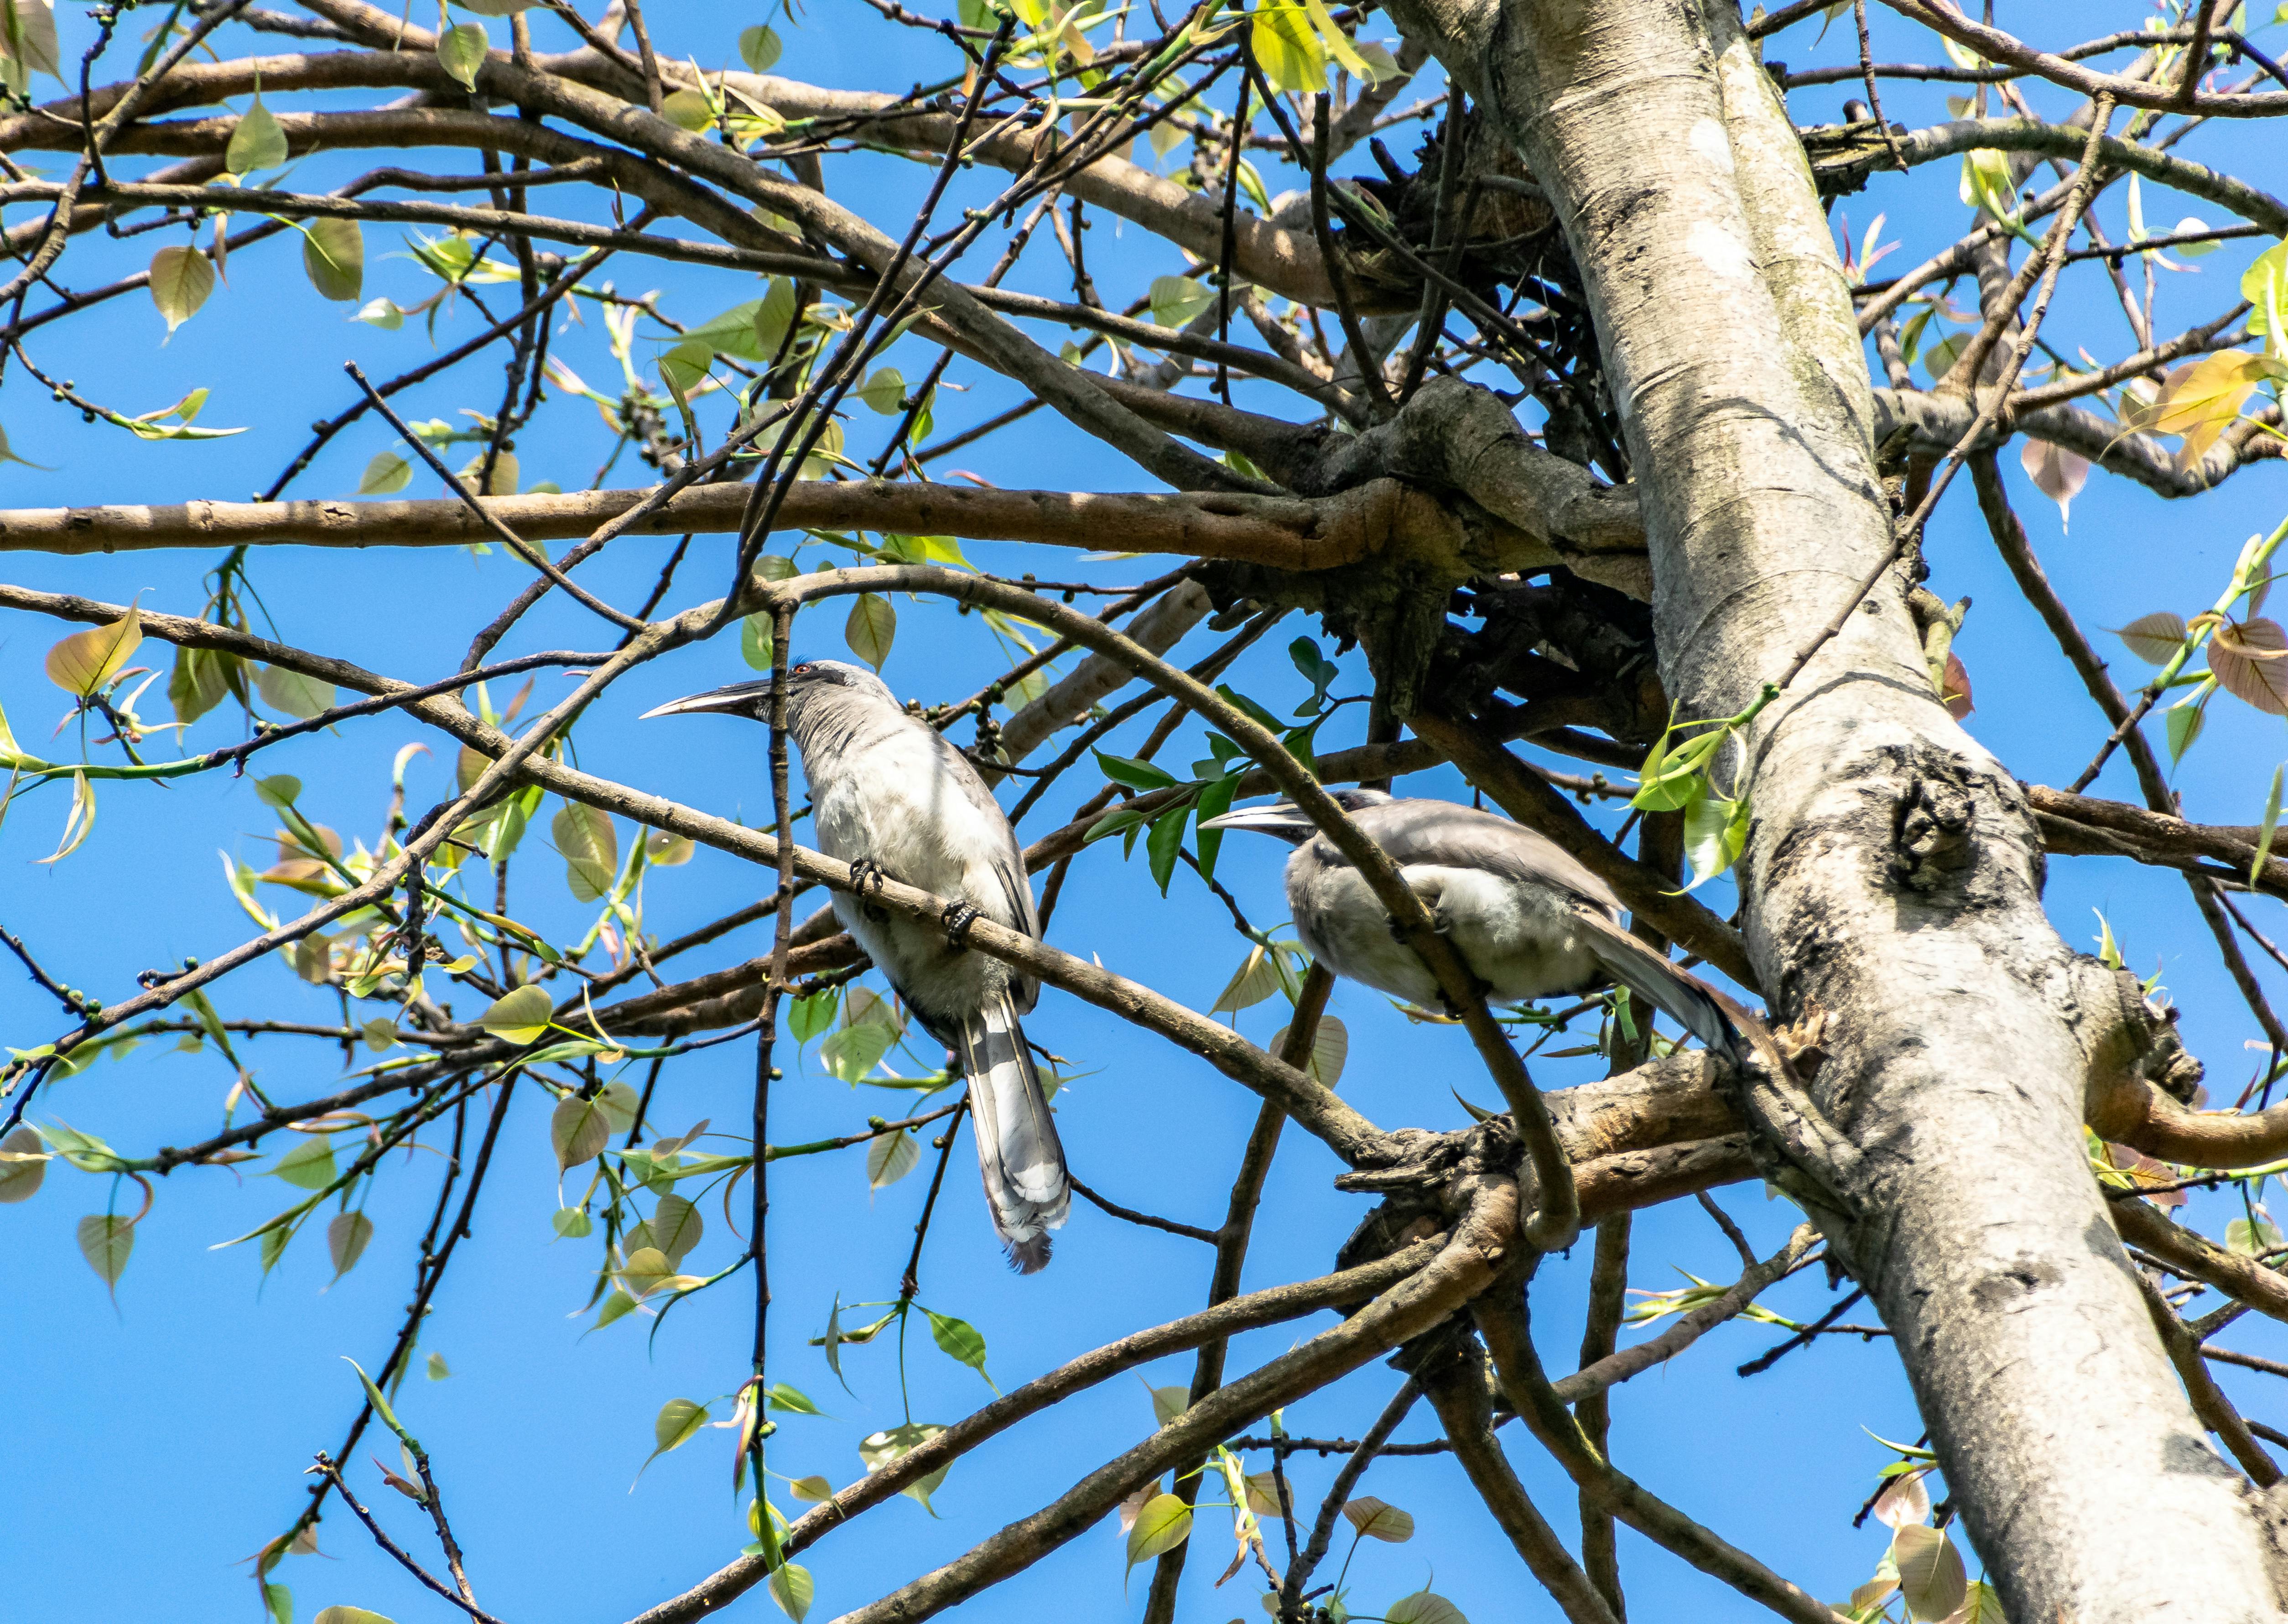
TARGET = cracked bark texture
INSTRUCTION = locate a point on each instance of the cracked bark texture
(1892, 876)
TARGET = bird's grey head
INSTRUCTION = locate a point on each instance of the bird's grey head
(1284, 820)
(811, 686)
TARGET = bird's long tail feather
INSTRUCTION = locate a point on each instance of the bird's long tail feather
(1651, 977)
(1018, 1152)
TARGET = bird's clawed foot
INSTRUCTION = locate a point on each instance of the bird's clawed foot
(958, 918)
(866, 874)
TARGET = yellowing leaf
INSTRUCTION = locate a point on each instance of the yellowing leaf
(350, 1615)
(23, 1165)
(662, 849)
(879, 1448)
(85, 662)
(1930, 1571)
(1377, 1520)
(333, 253)
(686, 110)
(2201, 399)
(181, 278)
(872, 626)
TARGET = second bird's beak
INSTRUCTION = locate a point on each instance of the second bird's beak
(739, 699)
(1279, 818)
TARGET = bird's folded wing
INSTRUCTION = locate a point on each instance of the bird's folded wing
(1649, 975)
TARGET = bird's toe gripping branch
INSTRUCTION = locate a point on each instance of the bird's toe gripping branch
(959, 917)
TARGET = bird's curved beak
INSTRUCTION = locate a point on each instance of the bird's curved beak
(1279, 818)
(738, 699)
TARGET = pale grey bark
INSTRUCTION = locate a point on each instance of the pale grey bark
(1892, 876)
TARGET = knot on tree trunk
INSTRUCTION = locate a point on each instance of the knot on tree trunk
(1933, 838)
(2133, 1047)
(1431, 1182)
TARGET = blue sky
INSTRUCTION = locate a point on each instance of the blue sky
(157, 1440)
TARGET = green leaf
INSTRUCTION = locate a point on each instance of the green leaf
(1176, 300)
(1165, 1523)
(884, 391)
(308, 1166)
(349, 1615)
(960, 1340)
(872, 626)
(345, 1241)
(1165, 841)
(280, 1600)
(755, 641)
(461, 51)
(678, 1422)
(769, 318)
(2249, 1239)
(202, 680)
(790, 1583)
(255, 142)
(1169, 1403)
(2185, 723)
(1330, 1047)
(577, 1129)
(1135, 774)
(758, 48)
(793, 1400)
(520, 1016)
(84, 1151)
(1423, 1607)
(293, 693)
(676, 1227)
(385, 475)
(617, 1305)
(333, 257)
(106, 1240)
(890, 1158)
(436, 1367)
(2267, 275)
(1377, 1520)
(855, 1051)
(376, 1397)
(2270, 826)
(181, 278)
(1287, 49)
(1214, 801)
(688, 110)
(1256, 979)
(880, 1448)
(591, 849)
(1715, 833)
(808, 1017)
(572, 1223)
(1262, 718)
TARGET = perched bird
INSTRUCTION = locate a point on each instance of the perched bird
(891, 797)
(1528, 921)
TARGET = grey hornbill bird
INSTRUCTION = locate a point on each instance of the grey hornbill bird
(1527, 920)
(892, 797)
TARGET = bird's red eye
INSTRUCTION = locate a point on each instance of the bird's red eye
(802, 669)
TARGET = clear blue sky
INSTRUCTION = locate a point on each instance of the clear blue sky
(155, 1442)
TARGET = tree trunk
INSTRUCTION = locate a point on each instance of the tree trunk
(1893, 875)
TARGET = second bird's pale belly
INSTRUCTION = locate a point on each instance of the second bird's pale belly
(1520, 940)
